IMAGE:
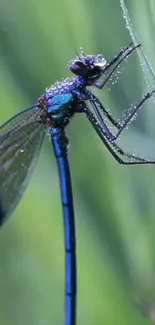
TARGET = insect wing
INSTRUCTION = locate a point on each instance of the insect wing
(20, 141)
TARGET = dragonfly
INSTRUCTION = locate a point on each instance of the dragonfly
(21, 138)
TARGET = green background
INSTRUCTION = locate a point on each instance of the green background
(114, 204)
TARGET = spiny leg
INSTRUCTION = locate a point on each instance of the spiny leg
(96, 104)
(126, 51)
(93, 99)
(132, 113)
(113, 148)
(110, 117)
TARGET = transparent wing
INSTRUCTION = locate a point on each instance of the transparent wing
(20, 141)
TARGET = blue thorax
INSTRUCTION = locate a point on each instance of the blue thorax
(64, 93)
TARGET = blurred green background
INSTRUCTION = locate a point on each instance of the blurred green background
(114, 204)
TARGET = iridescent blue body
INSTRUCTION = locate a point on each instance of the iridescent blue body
(21, 138)
(63, 99)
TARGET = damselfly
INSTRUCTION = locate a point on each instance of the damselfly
(21, 138)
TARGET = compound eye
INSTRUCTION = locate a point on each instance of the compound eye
(79, 68)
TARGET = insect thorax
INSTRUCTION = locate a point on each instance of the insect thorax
(60, 102)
